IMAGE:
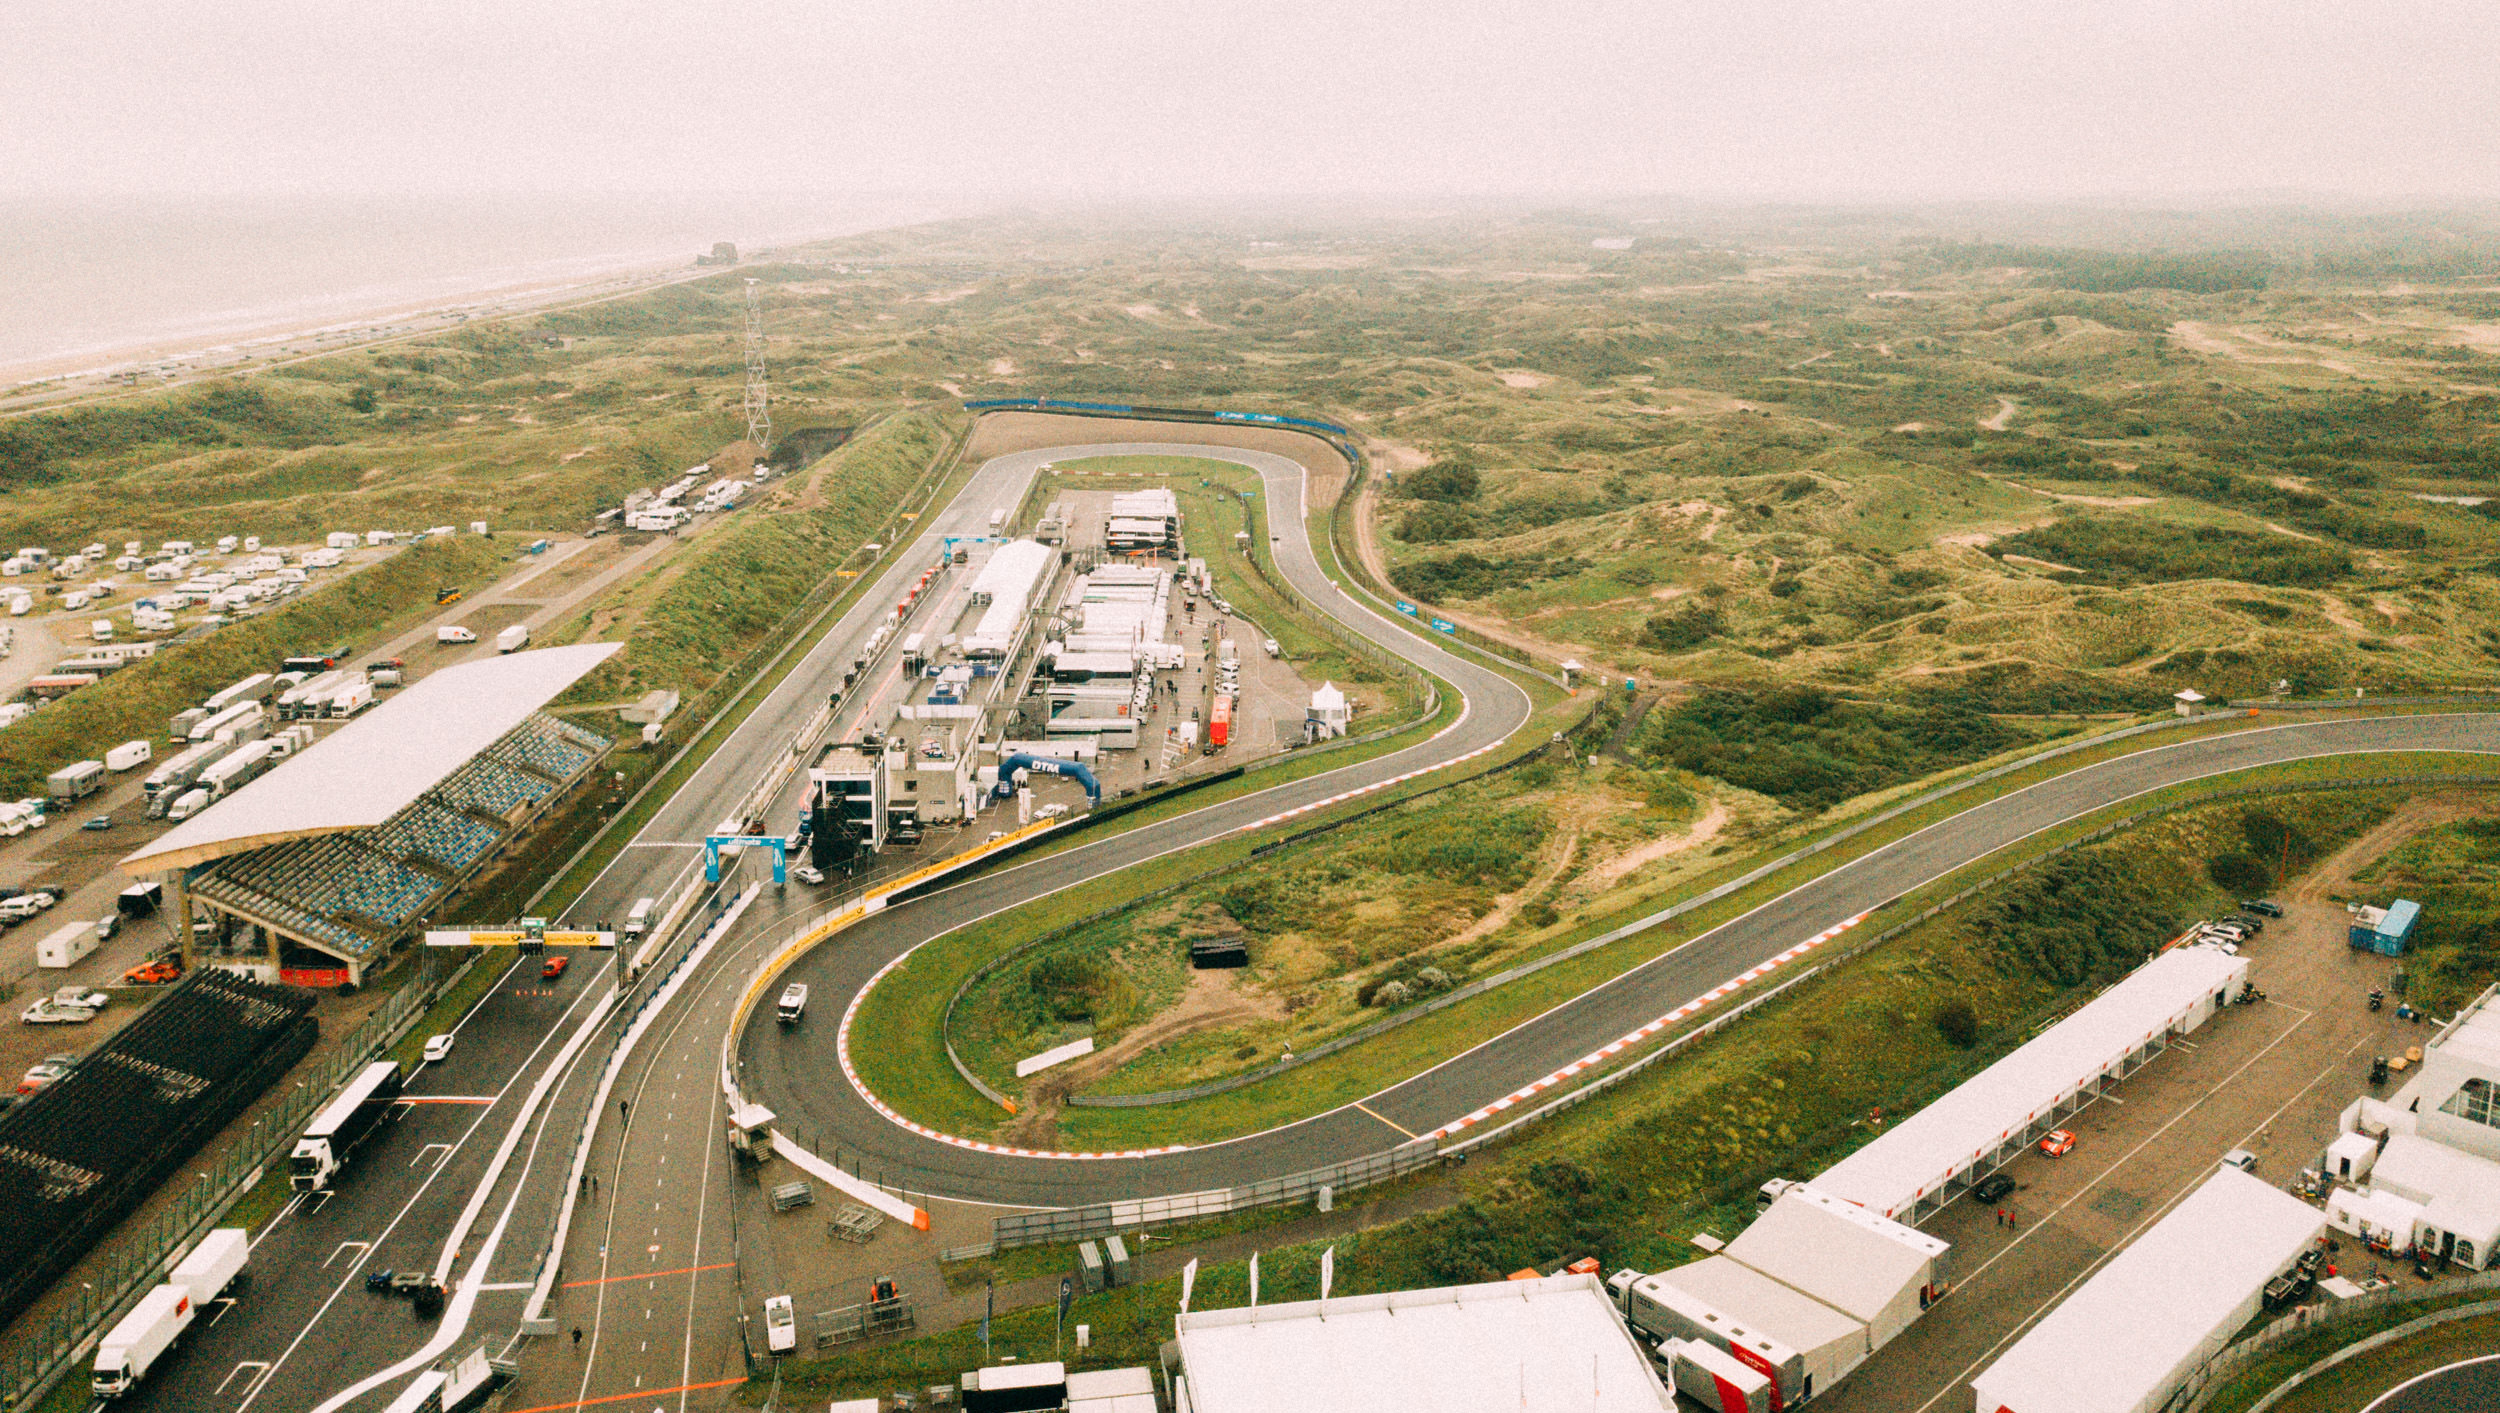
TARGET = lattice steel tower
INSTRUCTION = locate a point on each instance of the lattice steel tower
(759, 399)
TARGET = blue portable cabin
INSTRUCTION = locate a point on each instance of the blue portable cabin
(2386, 933)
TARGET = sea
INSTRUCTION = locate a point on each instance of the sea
(113, 279)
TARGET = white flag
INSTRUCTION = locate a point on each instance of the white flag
(1327, 1270)
(1189, 1279)
(1254, 1280)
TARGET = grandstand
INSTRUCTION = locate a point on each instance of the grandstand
(318, 871)
(78, 1155)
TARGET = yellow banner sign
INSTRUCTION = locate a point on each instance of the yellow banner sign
(514, 938)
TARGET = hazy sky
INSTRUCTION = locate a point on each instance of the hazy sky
(1744, 97)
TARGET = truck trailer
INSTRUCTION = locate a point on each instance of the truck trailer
(322, 1153)
(234, 772)
(75, 782)
(214, 1265)
(513, 639)
(68, 945)
(129, 755)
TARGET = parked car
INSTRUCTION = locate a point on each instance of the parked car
(2260, 905)
(2241, 1159)
(98, 824)
(2253, 924)
(437, 1047)
(554, 968)
(808, 874)
(1992, 1188)
(46, 1070)
(2058, 1143)
(156, 973)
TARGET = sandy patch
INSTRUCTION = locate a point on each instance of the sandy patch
(1141, 311)
(2106, 502)
(2335, 614)
(1703, 831)
(952, 390)
(1507, 906)
(1911, 427)
(1968, 539)
(2295, 534)
(1520, 378)
(949, 296)
(1214, 1000)
(1396, 456)
(2003, 415)
(1002, 367)
(2048, 564)
(576, 455)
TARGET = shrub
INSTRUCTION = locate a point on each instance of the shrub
(2239, 873)
(1684, 629)
(2078, 916)
(1432, 523)
(2127, 550)
(1809, 751)
(1450, 479)
(1958, 1023)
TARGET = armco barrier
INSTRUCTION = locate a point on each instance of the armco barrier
(1103, 1219)
(1074, 1224)
(2310, 1319)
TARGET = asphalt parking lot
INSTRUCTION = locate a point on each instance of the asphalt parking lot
(2272, 1077)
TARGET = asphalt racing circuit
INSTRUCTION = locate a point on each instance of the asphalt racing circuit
(646, 1287)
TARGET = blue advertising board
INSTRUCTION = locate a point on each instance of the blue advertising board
(1443, 625)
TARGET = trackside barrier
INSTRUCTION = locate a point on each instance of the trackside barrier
(2307, 1320)
(1074, 1224)
(45, 1350)
(1103, 1219)
(823, 1171)
(551, 1261)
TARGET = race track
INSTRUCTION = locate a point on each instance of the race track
(798, 1074)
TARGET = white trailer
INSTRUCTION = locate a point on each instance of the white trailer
(132, 1347)
(68, 945)
(250, 687)
(234, 772)
(75, 782)
(343, 540)
(352, 697)
(129, 755)
(237, 715)
(513, 639)
(214, 1264)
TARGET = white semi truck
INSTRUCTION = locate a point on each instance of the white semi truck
(134, 1345)
(323, 1151)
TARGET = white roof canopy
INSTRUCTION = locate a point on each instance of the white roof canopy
(377, 765)
(1552, 1345)
(2165, 1303)
(1923, 1152)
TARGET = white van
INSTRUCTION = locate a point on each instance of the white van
(638, 921)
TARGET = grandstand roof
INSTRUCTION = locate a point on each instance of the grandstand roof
(375, 766)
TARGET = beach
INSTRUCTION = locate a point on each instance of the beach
(107, 294)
